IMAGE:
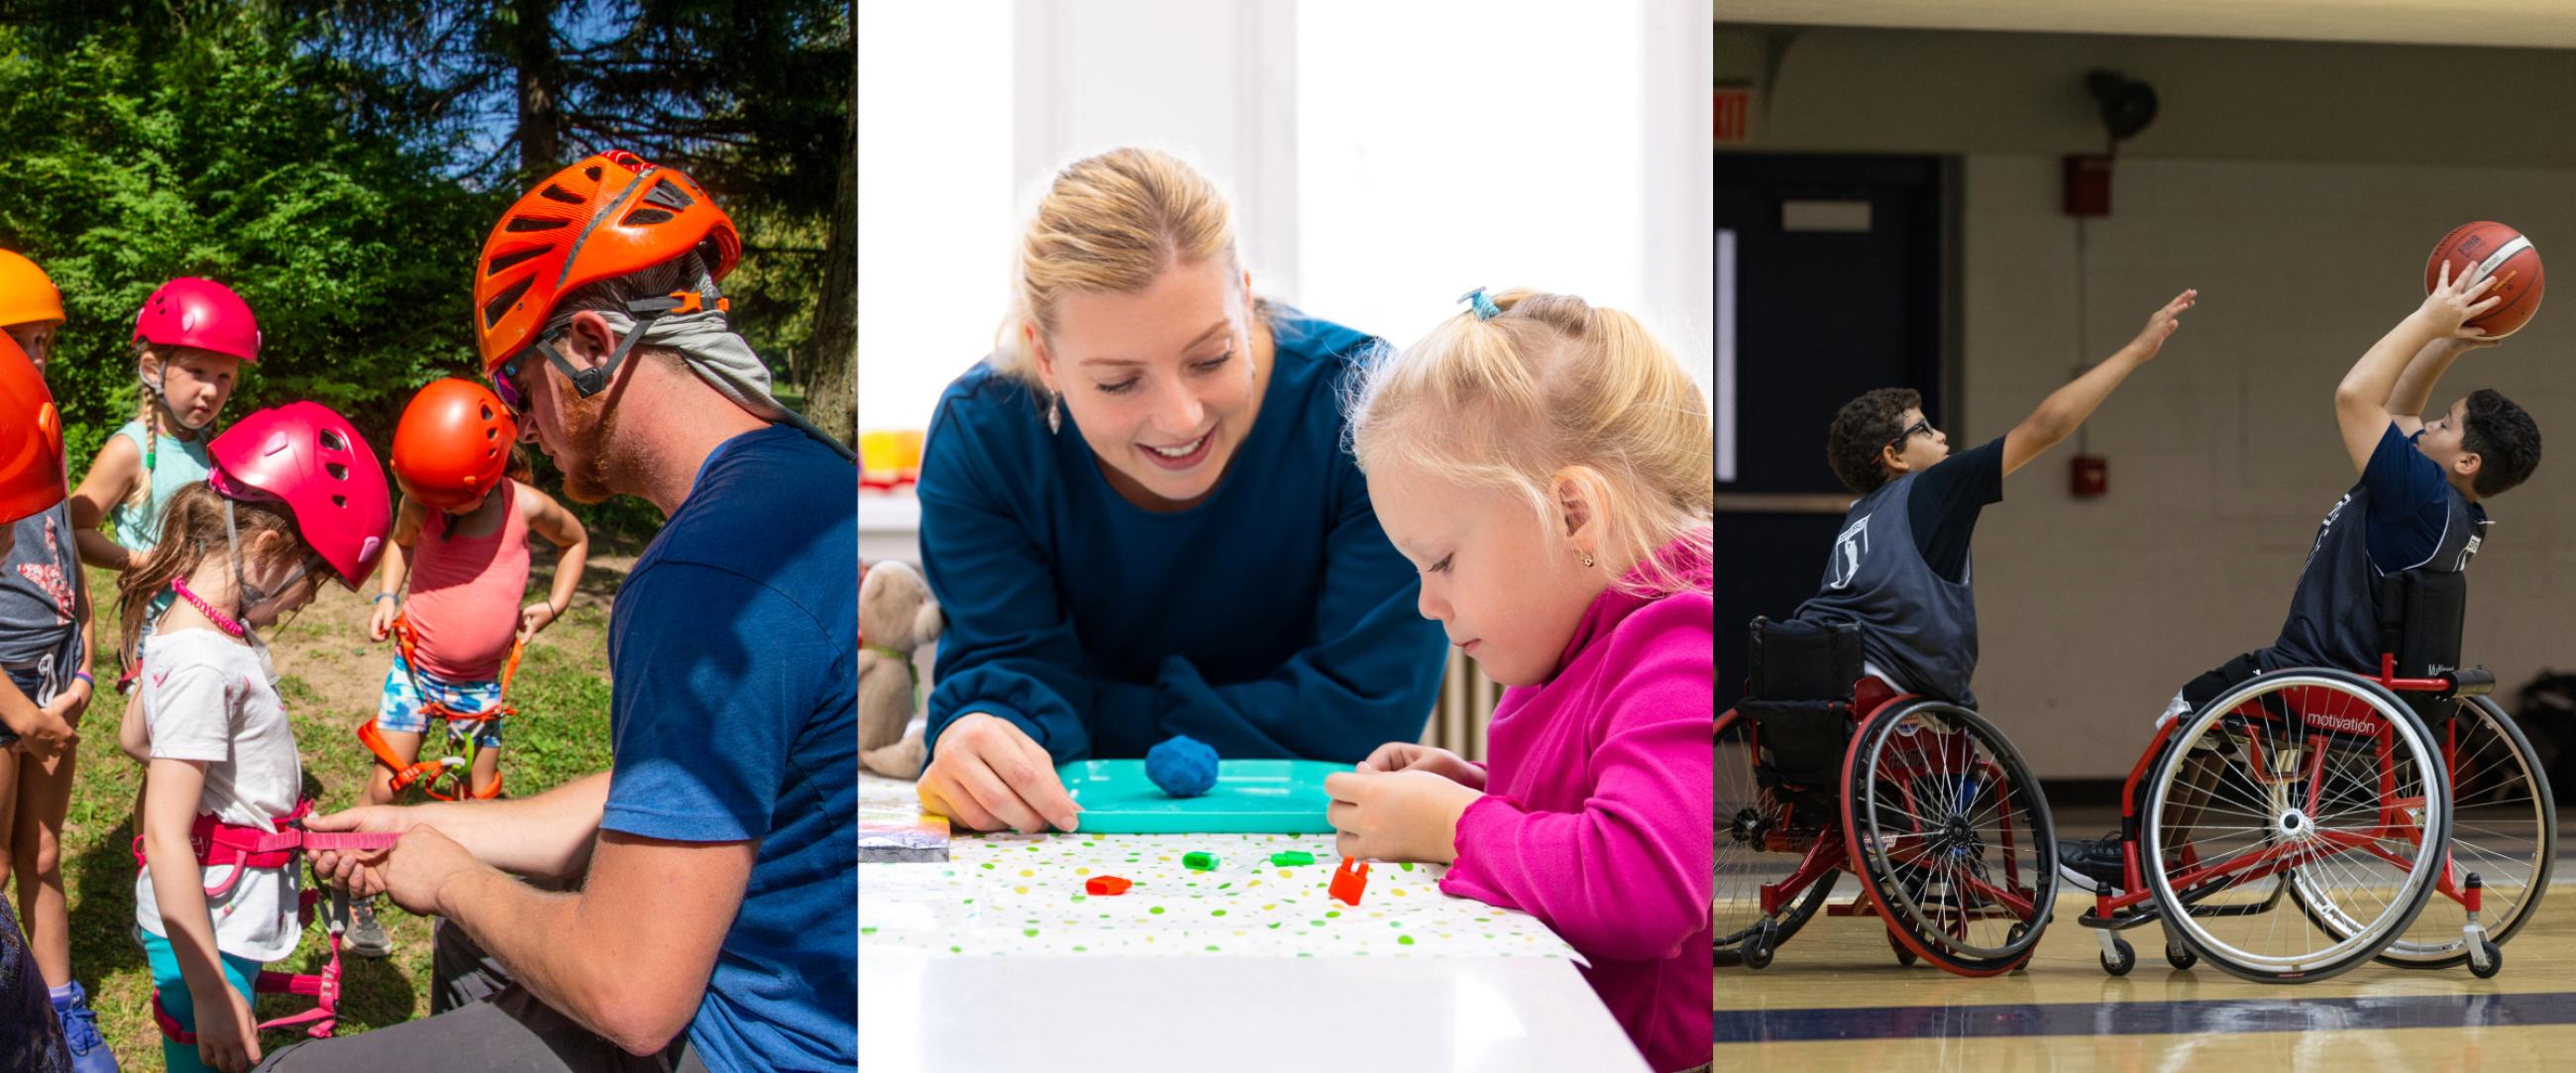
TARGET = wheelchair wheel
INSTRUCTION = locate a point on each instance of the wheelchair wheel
(1950, 836)
(2314, 780)
(2504, 828)
(1747, 814)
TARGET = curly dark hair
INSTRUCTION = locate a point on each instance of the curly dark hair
(2505, 439)
(1861, 429)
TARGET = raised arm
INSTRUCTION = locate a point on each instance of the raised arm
(2065, 409)
(2369, 396)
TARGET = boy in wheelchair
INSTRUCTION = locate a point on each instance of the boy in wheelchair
(2418, 507)
(1899, 570)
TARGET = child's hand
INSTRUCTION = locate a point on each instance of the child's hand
(534, 617)
(70, 704)
(2454, 303)
(1411, 756)
(227, 1036)
(1397, 815)
(380, 624)
(2161, 325)
(989, 775)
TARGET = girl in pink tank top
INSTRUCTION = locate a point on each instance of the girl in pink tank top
(466, 570)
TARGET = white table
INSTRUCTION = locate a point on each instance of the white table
(937, 1014)
(997, 960)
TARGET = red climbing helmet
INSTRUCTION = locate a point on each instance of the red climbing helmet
(31, 438)
(199, 313)
(453, 444)
(311, 459)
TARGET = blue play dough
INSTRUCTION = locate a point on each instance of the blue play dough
(1182, 766)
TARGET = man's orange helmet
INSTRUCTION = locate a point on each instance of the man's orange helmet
(607, 216)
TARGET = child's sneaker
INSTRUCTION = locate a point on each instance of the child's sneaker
(80, 1033)
(365, 937)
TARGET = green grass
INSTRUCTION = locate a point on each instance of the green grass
(329, 677)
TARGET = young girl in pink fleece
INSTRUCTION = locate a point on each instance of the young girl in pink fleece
(1545, 463)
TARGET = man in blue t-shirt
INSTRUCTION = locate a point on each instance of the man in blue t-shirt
(2419, 505)
(712, 919)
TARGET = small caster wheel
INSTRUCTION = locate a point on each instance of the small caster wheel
(2124, 958)
(1757, 948)
(2488, 962)
(2179, 957)
(1904, 956)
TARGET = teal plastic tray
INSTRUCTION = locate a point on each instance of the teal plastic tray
(1269, 797)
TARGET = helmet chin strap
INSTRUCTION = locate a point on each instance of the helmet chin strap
(245, 594)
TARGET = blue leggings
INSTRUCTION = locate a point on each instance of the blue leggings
(238, 971)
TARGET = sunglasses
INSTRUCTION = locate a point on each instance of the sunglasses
(1923, 426)
(505, 384)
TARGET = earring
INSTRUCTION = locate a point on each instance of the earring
(1055, 415)
(1587, 559)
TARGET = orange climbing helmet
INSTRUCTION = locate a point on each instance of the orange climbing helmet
(31, 438)
(27, 294)
(453, 444)
(609, 215)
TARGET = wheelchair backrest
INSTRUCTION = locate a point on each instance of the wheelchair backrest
(1803, 661)
(2420, 613)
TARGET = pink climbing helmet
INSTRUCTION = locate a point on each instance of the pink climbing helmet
(311, 459)
(199, 313)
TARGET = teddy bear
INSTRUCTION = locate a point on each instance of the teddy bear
(896, 617)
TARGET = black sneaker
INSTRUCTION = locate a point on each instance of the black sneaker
(2093, 864)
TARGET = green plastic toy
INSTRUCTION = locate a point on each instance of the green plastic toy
(1198, 861)
(1294, 856)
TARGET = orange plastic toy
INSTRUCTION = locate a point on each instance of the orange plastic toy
(1349, 880)
(1107, 885)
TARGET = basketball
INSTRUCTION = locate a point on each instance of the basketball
(2487, 248)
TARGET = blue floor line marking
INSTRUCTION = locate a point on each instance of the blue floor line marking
(2193, 1017)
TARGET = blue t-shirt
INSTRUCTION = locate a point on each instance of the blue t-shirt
(2409, 502)
(1273, 619)
(734, 648)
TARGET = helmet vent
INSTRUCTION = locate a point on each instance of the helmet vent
(512, 259)
(669, 195)
(536, 223)
(337, 471)
(647, 217)
(501, 303)
(553, 192)
(331, 441)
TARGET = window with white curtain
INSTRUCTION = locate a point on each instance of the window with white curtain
(1441, 148)
(1434, 147)
(937, 213)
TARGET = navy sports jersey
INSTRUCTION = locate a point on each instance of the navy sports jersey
(2402, 515)
(1918, 622)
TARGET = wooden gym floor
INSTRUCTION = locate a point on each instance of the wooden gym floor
(1835, 999)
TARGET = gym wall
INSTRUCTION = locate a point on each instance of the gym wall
(2300, 187)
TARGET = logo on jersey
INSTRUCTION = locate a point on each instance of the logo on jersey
(2327, 525)
(1848, 550)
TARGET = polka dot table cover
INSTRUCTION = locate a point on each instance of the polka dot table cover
(1024, 894)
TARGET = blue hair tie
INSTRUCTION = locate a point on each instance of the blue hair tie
(1485, 307)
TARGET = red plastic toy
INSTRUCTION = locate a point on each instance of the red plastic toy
(1349, 880)
(1107, 885)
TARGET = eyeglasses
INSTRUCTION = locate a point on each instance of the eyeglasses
(1923, 426)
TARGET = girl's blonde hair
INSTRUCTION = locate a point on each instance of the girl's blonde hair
(192, 527)
(1549, 383)
(1111, 223)
(147, 406)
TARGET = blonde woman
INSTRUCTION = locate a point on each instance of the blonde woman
(1140, 520)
